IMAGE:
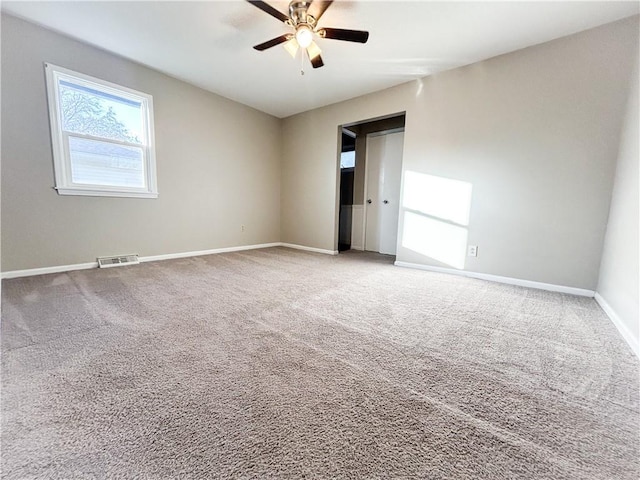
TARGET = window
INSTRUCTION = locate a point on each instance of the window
(102, 136)
(348, 159)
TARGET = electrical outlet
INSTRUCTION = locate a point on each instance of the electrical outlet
(472, 251)
(242, 228)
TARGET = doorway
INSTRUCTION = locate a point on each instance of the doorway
(361, 225)
(347, 170)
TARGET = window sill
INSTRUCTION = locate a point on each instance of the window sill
(105, 193)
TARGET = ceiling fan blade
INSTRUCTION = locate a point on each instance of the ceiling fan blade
(265, 7)
(359, 36)
(272, 43)
(318, 7)
(316, 62)
(313, 50)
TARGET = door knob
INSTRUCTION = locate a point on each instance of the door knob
(368, 200)
(385, 201)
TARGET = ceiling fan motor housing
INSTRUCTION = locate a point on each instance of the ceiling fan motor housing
(298, 14)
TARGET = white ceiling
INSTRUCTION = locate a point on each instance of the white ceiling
(208, 43)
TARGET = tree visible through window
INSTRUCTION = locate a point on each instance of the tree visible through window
(103, 134)
(84, 111)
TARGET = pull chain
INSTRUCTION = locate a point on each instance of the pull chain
(302, 61)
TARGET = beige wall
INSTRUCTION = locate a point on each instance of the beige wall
(619, 284)
(218, 165)
(535, 132)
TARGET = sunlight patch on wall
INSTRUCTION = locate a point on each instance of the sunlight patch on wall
(436, 217)
(438, 197)
(432, 238)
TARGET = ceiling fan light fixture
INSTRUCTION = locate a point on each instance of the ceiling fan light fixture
(292, 47)
(304, 36)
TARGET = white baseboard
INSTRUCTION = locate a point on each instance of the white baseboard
(617, 321)
(309, 249)
(213, 251)
(45, 270)
(496, 278)
(357, 247)
(85, 266)
(152, 258)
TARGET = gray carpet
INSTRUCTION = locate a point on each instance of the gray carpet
(277, 363)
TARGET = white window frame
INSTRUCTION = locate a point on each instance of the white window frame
(60, 138)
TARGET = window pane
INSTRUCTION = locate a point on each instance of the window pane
(348, 159)
(102, 163)
(92, 112)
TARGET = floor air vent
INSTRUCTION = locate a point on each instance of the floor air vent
(118, 261)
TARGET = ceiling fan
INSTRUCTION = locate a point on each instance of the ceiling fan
(303, 18)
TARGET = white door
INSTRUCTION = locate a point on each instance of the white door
(384, 165)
